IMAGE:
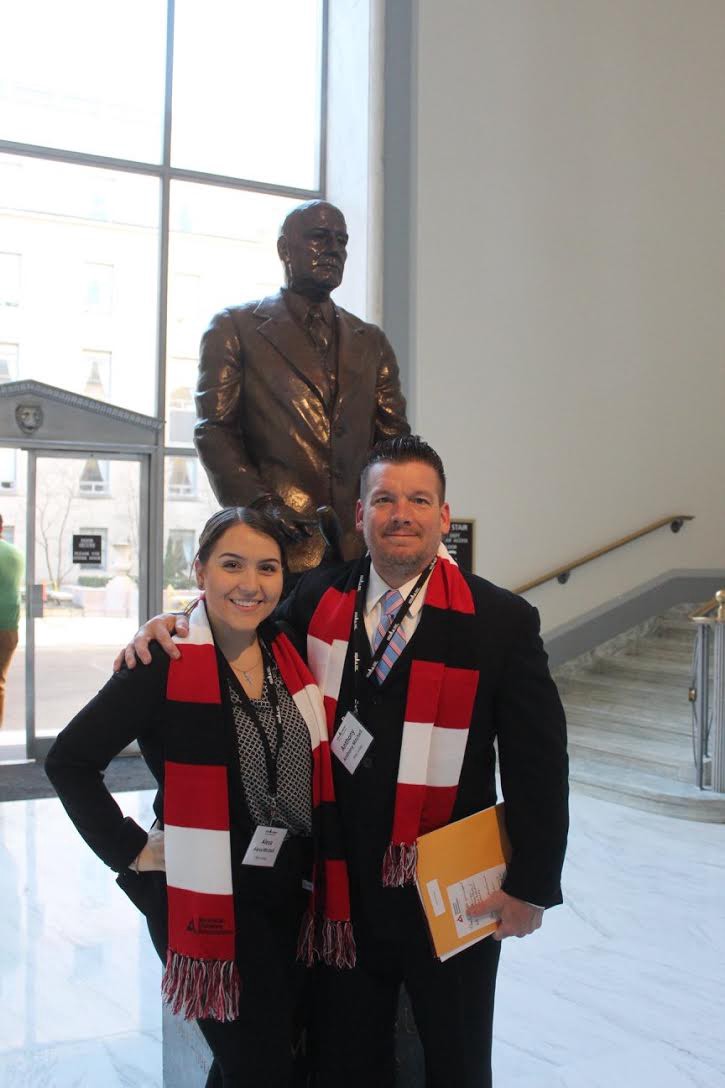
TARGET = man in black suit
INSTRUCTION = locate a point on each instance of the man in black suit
(293, 391)
(484, 642)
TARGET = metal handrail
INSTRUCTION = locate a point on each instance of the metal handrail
(709, 723)
(562, 574)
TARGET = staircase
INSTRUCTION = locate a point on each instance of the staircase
(630, 722)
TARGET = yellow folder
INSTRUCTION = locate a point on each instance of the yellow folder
(459, 865)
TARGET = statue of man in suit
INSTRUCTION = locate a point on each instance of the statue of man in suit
(293, 391)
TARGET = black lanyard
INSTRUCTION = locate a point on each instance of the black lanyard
(271, 759)
(359, 625)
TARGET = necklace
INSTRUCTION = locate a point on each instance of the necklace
(246, 673)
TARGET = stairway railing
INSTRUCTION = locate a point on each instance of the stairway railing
(709, 728)
(562, 574)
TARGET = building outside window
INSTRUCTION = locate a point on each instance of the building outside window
(181, 413)
(96, 374)
(10, 279)
(8, 362)
(182, 477)
(8, 472)
(94, 478)
(99, 289)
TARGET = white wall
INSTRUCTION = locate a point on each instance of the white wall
(569, 285)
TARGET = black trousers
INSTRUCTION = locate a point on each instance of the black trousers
(261, 1047)
(452, 1004)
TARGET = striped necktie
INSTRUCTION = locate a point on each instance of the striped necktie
(390, 604)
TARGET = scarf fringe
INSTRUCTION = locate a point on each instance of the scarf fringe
(201, 988)
(306, 951)
(334, 945)
(399, 864)
(338, 944)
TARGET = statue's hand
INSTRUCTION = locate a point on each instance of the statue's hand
(295, 526)
(331, 530)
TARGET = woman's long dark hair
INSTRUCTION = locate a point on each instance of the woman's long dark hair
(222, 520)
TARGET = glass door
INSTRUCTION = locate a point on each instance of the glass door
(84, 581)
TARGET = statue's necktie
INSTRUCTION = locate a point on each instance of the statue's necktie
(391, 602)
(319, 330)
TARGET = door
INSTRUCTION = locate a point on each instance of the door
(85, 579)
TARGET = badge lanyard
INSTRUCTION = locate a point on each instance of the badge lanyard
(359, 626)
(271, 759)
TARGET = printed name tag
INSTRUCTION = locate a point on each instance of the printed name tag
(351, 742)
(265, 846)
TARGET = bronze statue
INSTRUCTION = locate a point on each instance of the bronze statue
(293, 391)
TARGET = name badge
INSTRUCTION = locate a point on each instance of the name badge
(351, 742)
(265, 846)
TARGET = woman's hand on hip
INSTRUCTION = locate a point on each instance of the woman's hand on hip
(151, 858)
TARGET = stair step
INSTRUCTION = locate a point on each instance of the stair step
(672, 760)
(652, 701)
(640, 666)
(614, 720)
(654, 793)
(681, 634)
(630, 725)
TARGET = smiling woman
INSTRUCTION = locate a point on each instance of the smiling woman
(240, 568)
(234, 733)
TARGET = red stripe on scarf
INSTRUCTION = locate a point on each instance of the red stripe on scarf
(330, 705)
(437, 808)
(424, 686)
(196, 796)
(194, 678)
(201, 926)
(409, 800)
(333, 616)
(337, 897)
(457, 696)
(448, 589)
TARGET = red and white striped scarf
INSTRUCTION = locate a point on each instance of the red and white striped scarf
(439, 706)
(201, 977)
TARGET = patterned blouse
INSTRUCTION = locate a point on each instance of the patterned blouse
(294, 763)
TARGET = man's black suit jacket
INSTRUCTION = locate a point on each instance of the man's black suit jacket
(517, 706)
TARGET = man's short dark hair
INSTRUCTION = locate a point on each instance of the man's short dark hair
(401, 450)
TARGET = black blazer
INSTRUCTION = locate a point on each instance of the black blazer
(517, 711)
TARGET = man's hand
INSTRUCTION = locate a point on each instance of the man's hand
(158, 629)
(516, 918)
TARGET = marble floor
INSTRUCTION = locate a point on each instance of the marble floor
(624, 986)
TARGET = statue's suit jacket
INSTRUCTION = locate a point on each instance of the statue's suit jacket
(265, 421)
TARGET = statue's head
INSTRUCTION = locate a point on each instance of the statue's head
(312, 246)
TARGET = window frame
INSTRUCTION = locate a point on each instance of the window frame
(166, 174)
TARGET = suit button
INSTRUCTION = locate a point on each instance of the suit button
(339, 430)
(338, 476)
(368, 762)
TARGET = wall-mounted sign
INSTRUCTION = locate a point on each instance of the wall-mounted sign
(459, 542)
(87, 549)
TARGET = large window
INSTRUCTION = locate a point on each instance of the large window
(148, 144)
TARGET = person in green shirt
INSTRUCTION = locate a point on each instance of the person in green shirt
(11, 571)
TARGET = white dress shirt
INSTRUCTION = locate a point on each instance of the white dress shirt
(377, 588)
